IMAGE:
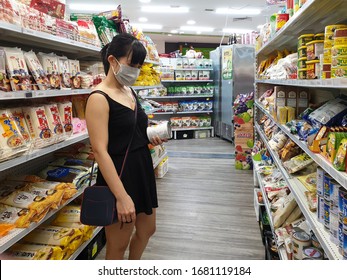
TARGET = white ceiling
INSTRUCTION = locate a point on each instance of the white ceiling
(132, 10)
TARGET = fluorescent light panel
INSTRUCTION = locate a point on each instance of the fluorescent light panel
(147, 26)
(164, 9)
(90, 7)
(191, 22)
(143, 19)
(225, 11)
(196, 28)
(145, 1)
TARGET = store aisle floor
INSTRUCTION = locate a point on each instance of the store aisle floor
(205, 206)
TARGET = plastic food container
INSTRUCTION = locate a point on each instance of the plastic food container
(302, 62)
(326, 71)
(304, 39)
(319, 36)
(313, 69)
(341, 32)
(314, 49)
(301, 240)
(340, 41)
(312, 253)
(339, 50)
(302, 51)
(332, 28)
(339, 72)
(339, 61)
(302, 73)
(328, 43)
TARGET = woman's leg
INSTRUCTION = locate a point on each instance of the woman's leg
(117, 240)
(145, 228)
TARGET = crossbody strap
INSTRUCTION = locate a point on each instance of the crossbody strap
(130, 142)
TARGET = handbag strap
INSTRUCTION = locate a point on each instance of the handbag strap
(131, 139)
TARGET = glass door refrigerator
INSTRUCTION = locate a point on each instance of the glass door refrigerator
(233, 74)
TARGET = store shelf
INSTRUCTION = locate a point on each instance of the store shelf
(178, 113)
(85, 244)
(319, 83)
(298, 191)
(159, 160)
(41, 94)
(177, 96)
(339, 176)
(19, 35)
(186, 81)
(188, 69)
(146, 87)
(41, 152)
(192, 128)
(311, 18)
(17, 234)
(155, 63)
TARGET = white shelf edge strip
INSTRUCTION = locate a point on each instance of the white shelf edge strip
(18, 233)
(178, 96)
(147, 87)
(321, 83)
(187, 69)
(41, 93)
(155, 164)
(176, 113)
(40, 152)
(339, 176)
(186, 81)
(191, 128)
(85, 244)
(298, 191)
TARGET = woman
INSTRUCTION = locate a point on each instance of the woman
(111, 121)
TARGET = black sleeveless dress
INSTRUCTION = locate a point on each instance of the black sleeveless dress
(138, 175)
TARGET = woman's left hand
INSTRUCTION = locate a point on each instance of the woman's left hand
(155, 141)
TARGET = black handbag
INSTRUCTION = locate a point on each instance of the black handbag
(98, 206)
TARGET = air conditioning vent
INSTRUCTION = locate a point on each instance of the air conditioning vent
(242, 19)
(209, 10)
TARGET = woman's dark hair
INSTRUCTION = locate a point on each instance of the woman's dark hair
(123, 45)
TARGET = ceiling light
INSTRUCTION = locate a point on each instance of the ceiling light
(238, 11)
(165, 9)
(145, 1)
(90, 7)
(181, 32)
(196, 28)
(236, 30)
(143, 19)
(147, 26)
(174, 31)
(191, 22)
(198, 32)
(169, 35)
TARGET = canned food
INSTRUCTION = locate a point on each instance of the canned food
(302, 51)
(344, 211)
(340, 238)
(319, 36)
(315, 49)
(329, 36)
(320, 181)
(340, 41)
(302, 62)
(339, 50)
(302, 73)
(334, 193)
(328, 43)
(327, 52)
(334, 228)
(312, 253)
(313, 69)
(333, 27)
(326, 67)
(344, 244)
(340, 32)
(339, 72)
(320, 209)
(327, 179)
(327, 214)
(304, 39)
(326, 75)
(342, 194)
(301, 240)
(339, 61)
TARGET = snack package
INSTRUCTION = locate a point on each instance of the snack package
(35, 252)
(11, 140)
(297, 163)
(36, 70)
(75, 69)
(19, 217)
(284, 211)
(309, 181)
(49, 63)
(38, 126)
(341, 155)
(4, 81)
(176, 122)
(65, 110)
(87, 32)
(289, 150)
(18, 116)
(311, 200)
(278, 141)
(53, 8)
(17, 69)
(55, 122)
(64, 72)
(83, 165)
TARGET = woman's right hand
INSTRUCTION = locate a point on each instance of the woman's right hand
(126, 209)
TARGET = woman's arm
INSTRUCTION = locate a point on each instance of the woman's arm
(97, 117)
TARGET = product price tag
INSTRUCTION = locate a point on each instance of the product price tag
(95, 249)
(29, 94)
(40, 93)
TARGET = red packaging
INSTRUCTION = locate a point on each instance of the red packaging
(281, 20)
(50, 7)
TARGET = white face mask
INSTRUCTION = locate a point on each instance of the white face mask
(126, 75)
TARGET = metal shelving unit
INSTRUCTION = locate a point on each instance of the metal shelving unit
(339, 176)
(41, 152)
(178, 96)
(18, 233)
(16, 95)
(319, 83)
(298, 191)
(147, 87)
(187, 81)
(84, 244)
(178, 113)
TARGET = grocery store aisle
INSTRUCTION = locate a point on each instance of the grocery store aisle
(205, 206)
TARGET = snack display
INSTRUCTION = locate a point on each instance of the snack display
(54, 121)
(36, 70)
(51, 67)
(65, 110)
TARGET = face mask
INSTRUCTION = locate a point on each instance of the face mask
(126, 75)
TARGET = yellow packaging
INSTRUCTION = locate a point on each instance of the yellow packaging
(35, 252)
(328, 44)
(282, 114)
(326, 75)
(329, 36)
(331, 147)
(339, 72)
(340, 41)
(309, 181)
(339, 50)
(319, 36)
(333, 27)
(339, 61)
(313, 69)
(327, 52)
(302, 51)
(291, 113)
(305, 38)
(302, 73)
(340, 159)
